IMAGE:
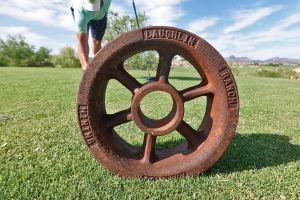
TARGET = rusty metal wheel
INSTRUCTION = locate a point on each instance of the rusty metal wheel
(202, 148)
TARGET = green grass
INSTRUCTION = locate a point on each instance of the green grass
(42, 155)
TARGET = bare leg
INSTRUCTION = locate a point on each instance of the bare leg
(83, 49)
(96, 45)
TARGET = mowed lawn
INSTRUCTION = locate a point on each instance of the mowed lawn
(42, 155)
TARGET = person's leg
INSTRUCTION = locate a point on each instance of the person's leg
(96, 45)
(98, 28)
(83, 49)
(81, 25)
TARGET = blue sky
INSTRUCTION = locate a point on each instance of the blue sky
(258, 29)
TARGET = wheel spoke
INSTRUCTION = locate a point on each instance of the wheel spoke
(119, 118)
(196, 91)
(164, 65)
(193, 137)
(126, 79)
(148, 148)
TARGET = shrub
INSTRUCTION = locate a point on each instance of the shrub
(280, 73)
(274, 64)
(66, 58)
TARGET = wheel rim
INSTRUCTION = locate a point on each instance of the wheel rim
(204, 146)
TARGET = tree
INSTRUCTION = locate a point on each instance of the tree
(15, 51)
(66, 58)
(3, 60)
(121, 24)
(42, 58)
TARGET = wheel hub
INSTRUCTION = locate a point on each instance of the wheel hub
(162, 126)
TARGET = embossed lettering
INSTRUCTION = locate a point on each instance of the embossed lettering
(227, 81)
(84, 122)
(192, 41)
(225, 74)
(230, 88)
(164, 33)
(173, 35)
(155, 34)
(232, 101)
(85, 128)
(185, 38)
(147, 34)
(88, 134)
(168, 33)
(161, 33)
(179, 37)
(85, 125)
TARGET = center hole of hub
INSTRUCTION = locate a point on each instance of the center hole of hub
(157, 105)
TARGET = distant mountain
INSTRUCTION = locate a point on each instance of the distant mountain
(243, 60)
(275, 60)
(278, 60)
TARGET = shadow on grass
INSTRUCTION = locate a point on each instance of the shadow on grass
(169, 144)
(181, 78)
(4, 118)
(256, 151)
(251, 151)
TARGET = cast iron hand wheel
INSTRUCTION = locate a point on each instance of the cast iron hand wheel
(202, 148)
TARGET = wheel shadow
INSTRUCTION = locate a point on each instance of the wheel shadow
(252, 151)
(185, 78)
(181, 78)
(256, 151)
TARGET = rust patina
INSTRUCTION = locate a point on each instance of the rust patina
(203, 147)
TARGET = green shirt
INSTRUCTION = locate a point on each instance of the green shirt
(82, 16)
